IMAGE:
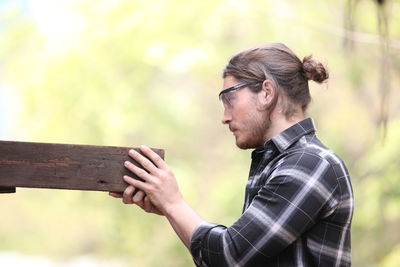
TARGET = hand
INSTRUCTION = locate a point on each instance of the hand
(159, 193)
(159, 186)
(137, 197)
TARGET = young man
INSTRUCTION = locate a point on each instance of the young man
(299, 202)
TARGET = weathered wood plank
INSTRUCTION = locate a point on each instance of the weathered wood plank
(63, 166)
(7, 189)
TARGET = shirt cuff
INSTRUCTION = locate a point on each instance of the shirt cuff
(197, 239)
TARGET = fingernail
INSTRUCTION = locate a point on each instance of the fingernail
(132, 151)
(126, 163)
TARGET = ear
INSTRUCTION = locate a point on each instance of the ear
(267, 94)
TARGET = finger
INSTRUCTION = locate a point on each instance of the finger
(138, 171)
(115, 194)
(137, 184)
(127, 195)
(147, 206)
(155, 158)
(138, 197)
(142, 160)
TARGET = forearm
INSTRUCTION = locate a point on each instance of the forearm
(184, 221)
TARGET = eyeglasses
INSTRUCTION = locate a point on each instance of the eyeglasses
(224, 96)
(240, 85)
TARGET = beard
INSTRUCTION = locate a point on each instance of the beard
(252, 132)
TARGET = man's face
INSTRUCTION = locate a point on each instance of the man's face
(247, 122)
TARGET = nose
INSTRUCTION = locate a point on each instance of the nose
(227, 117)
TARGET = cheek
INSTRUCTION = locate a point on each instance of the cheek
(248, 112)
(243, 109)
(246, 109)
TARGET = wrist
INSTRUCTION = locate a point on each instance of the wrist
(174, 209)
(183, 219)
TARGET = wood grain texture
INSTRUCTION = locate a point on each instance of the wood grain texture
(63, 166)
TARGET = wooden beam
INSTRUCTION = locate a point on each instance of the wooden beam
(7, 189)
(63, 166)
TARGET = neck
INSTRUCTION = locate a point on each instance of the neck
(279, 123)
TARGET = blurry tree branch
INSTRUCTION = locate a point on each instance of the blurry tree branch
(359, 37)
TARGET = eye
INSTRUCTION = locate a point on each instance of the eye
(230, 96)
(223, 98)
(228, 99)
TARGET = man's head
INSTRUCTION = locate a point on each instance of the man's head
(269, 84)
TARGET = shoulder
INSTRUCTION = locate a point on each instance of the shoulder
(310, 149)
(309, 158)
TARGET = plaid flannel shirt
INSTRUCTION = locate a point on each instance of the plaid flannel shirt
(297, 212)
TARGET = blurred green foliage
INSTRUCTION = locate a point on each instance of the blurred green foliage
(138, 72)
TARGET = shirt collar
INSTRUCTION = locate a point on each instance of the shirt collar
(288, 137)
(285, 139)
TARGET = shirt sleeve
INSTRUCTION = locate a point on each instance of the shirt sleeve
(299, 191)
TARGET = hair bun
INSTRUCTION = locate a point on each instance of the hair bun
(313, 70)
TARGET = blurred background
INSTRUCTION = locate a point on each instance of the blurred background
(126, 73)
